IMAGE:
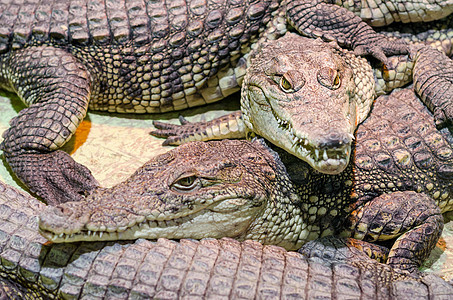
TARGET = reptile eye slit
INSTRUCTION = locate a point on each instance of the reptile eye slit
(186, 183)
(336, 81)
(285, 85)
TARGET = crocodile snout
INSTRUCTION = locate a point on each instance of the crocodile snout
(55, 221)
(335, 140)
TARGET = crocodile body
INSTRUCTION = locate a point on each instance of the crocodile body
(129, 56)
(436, 33)
(400, 175)
(31, 268)
(308, 97)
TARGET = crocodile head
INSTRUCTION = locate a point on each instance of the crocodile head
(198, 190)
(299, 93)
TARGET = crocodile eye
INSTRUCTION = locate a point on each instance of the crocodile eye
(329, 78)
(186, 183)
(285, 85)
(336, 81)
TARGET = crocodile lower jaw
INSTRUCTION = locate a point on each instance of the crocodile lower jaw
(234, 217)
(327, 161)
(333, 163)
(147, 229)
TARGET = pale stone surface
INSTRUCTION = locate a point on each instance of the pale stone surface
(113, 146)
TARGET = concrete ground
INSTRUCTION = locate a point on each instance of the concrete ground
(113, 146)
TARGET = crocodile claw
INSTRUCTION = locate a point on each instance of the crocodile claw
(381, 48)
(175, 134)
(183, 120)
(53, 176)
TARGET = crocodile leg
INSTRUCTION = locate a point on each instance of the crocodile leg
(323, 19)
(57, 89)
(437, 34)
(413, 218)
(433, 78)
(335, 248)
(229, 126)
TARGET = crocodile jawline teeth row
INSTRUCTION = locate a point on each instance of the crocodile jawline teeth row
(91, 234)
(315, 153)
(140, 222)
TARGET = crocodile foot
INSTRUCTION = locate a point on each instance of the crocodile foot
(338, 249)
(175, 134)
(229, 126)
(412, 219)
(439, 98)
(381, 47)
(443, 116)
(54, 176)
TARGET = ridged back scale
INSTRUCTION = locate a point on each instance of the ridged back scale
(149, 56)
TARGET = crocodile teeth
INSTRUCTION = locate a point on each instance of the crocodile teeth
(311, 152)
(283, 123)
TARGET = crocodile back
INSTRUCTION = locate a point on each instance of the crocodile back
(400, 148)
(143, 57)
(120, 22)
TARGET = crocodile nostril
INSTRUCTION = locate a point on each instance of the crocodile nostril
(335, 140)
(58, 210)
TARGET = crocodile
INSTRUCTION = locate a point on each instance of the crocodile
(308, 97)
(64, 57)
(331, 268)
(397, 185)
(437, 34)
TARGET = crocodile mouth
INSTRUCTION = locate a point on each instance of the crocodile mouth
(332, 160)
(195, 224)
(140, 229)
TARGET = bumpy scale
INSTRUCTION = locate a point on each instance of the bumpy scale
(31, 268)
(395, 187)
(308, 97)
(64, 57)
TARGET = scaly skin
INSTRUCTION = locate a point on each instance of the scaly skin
(438, 34)
(64, 57)
(400, 175)
(381, 13)
(308, 97)
(33, 268)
